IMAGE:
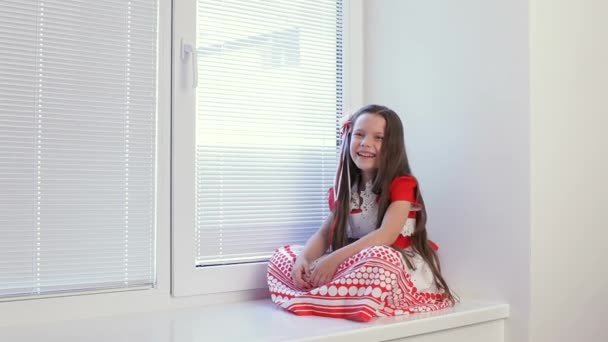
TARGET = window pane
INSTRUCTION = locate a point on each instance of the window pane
(270, 91)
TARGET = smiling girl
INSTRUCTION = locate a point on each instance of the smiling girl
(371, 257)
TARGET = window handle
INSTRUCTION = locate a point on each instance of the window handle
(189, 50)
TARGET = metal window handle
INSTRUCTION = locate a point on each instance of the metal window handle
(188, 50)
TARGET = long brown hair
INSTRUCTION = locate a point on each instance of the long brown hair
(393, 162)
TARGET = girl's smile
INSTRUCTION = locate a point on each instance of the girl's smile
(366, 154)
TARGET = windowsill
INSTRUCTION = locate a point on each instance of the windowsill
(255, 320)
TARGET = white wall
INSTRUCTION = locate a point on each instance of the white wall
(457, 72)
(569, 102)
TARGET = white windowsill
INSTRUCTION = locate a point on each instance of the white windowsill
(257, 320)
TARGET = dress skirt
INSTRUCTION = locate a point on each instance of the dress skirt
(375, 282)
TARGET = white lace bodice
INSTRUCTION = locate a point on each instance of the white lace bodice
(364, 213)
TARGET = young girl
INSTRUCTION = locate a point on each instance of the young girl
(380, 261)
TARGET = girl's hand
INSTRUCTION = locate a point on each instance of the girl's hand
(301, 273)
(314, 264)
(323, 270)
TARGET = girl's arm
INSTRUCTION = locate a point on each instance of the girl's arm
(318, 243)
(315, 247)
(389, 230)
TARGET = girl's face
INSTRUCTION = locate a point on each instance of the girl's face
(366, 142)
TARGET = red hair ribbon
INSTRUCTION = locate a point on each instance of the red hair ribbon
(345, 128)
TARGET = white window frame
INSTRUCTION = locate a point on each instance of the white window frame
(186, 278)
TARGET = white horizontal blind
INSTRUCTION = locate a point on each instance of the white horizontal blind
(269, 95)
(77, 145)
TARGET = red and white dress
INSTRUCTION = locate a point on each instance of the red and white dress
(375, 282)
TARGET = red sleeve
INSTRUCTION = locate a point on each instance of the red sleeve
(403, 188)
(330, 199)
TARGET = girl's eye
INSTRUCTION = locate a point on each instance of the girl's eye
(357, 134)
(379, 138)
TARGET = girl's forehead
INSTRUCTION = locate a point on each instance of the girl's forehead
(370, 122)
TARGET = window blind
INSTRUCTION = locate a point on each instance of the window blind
(269, 95)
(77, 145)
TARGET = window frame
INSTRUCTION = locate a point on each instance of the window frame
(186, 278)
